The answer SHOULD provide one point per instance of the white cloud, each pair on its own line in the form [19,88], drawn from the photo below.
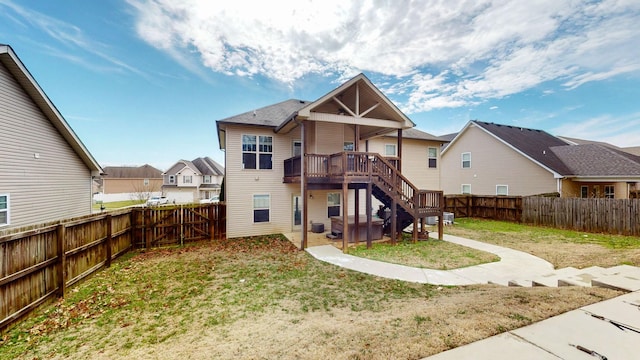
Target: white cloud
[621,131]
[438,54]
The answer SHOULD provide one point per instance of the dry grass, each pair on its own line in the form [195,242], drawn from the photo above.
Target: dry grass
[260,298]
[560,247]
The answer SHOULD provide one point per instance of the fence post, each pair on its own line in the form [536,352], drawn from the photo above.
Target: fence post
[62,261]
[212,227]
[109,241]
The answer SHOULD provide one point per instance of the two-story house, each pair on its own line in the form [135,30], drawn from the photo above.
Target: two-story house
[46,173]
[191,181]
[298,163]
[493,159]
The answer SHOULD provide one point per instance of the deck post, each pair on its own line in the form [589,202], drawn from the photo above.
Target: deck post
[440,215]
[356,208]
[399,150]
[303,188]
[394,221]
[369,210]
[345,217]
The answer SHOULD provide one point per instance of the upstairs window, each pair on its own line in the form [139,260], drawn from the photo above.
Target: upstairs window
[172,179]
[432,157]
[257,152]
[502,190]
[4,209]
[466,189]
[187,179]
[466,160]
[206,179]
[146,182]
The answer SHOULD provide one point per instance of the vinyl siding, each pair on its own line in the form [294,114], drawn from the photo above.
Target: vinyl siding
[119,186]
[492,163]
[242,184]
[415,164]
[56,184]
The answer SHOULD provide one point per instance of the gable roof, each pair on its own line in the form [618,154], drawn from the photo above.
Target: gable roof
[576,141]
[201,166]
[634,150]
[208,166]
[131,172]
[531,143]
[270,116]
[597,160]
[362,100]
[15,66]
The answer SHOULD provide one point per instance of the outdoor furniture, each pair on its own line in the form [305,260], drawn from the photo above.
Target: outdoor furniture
[376,227]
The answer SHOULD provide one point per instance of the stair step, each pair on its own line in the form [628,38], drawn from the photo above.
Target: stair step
[583,278]
[617,282]
[551,279]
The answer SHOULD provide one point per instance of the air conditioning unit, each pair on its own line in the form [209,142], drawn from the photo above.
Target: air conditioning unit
[447,219]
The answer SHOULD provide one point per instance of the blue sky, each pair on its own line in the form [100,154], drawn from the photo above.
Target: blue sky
[143,81]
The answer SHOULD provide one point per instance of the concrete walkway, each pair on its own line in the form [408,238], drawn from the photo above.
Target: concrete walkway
[512,264]
[606,330]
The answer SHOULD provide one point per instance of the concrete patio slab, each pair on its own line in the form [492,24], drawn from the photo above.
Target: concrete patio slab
[500,347]
[553,338]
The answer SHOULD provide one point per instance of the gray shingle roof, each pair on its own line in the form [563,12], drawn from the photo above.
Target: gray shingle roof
[131,172]
[208,166]
[597,160]
[414,133]
[534,143]
[271,116]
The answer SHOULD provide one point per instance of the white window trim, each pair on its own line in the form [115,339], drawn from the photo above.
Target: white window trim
[339,198]
[293,147]
[257,152]
[146,182]
[7,210]
[253,208]
[462,160]
[205,178]
[184,179]
[462,189]
[432,157]
[172,179]
[500,185]
[395,150]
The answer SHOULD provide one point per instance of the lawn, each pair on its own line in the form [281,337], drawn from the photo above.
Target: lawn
[261,298]
[560,247]
[429,254]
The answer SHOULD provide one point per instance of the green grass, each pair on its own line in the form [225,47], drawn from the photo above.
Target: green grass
[490,230]
[431,254]
[150,297]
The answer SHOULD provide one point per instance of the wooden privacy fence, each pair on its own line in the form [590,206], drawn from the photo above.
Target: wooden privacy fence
[613,216]
[40,264]
[508,208]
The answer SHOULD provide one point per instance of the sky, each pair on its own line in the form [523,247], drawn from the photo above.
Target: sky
[144,81]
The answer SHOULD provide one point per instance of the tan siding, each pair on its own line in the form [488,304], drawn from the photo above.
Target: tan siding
[492,163]
[242,184]
[55,185]
[119,186]
[329,138]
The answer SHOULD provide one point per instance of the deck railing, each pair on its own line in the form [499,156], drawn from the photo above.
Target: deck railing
[376,168]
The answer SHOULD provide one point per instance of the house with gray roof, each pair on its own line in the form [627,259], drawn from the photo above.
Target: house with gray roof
[122,183]
[321,165]
[46,172]
[494,159]
[191,181]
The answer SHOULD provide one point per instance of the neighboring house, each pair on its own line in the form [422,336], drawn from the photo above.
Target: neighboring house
[46,173]
[493,159]
[122,183]
[192,181]
[420,155]
[297,164]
